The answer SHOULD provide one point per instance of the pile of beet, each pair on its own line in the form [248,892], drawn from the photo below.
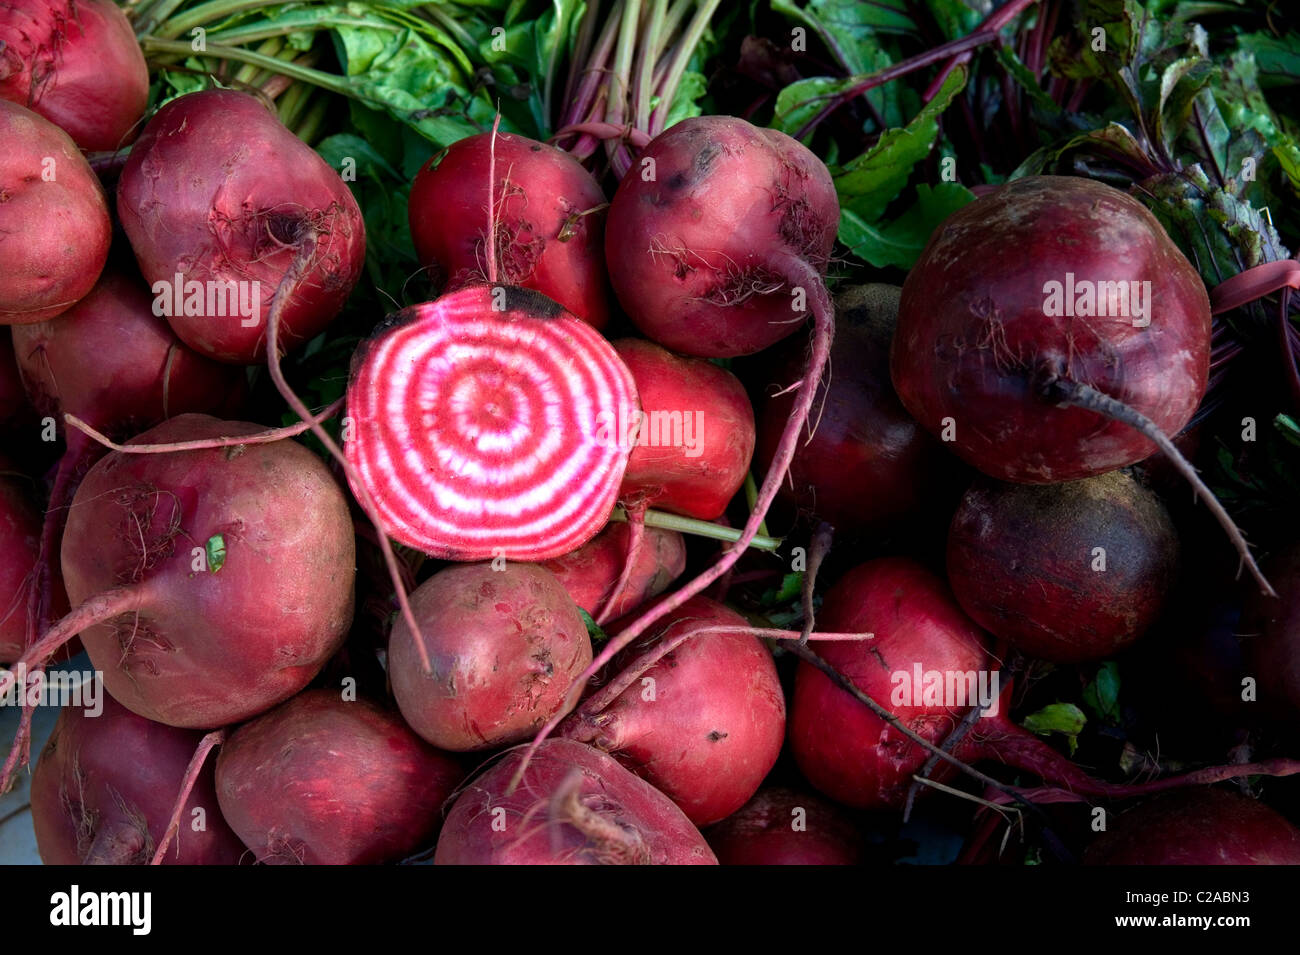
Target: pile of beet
[631,544]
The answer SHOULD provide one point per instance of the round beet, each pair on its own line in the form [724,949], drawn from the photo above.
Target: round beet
[77,63]
[573,806]
[220,202]
[182,641]
[699,716]
[53,219]
[549,216]
[1065,572]
[590,573]
[701,231]
[323,781]
[696,434]
[1201,826]
[782,826]
[105,786]
[868,465]
[985,339]
[504,646]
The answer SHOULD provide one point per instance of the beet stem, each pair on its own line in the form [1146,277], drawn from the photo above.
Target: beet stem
[491,238]
[690,525]
[949,744]
[95,610]
[1068,392]
[206,745]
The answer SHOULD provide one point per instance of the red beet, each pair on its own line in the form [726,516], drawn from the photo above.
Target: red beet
[702,230]
[707,727]
[483,431]
[53,217]
[976,351]
[208,639]
[590,573]
[323,781]
[782,826]
[104,788]
[549,220]
[77,63]
[218,192]
[575,806]
[504,646]
[1202,826]
[1023,561]
[696,436]
[868,465]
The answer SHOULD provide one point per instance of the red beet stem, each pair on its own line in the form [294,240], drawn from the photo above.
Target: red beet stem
[1245,287]
[613,843]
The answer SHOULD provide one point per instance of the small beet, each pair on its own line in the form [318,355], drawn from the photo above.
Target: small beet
[549,220]
[504,646]
[77,63]
[868,465]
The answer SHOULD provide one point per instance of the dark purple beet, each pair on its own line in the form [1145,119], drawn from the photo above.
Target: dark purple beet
[1023,562]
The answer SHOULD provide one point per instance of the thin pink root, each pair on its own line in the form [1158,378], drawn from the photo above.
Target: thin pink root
[261,437]
[206,745]
[1254,283]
